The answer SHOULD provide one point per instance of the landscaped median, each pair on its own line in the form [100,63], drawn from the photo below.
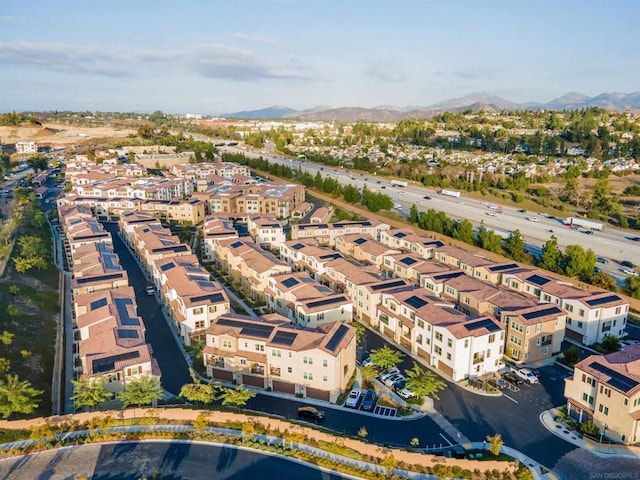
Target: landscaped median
[342,454]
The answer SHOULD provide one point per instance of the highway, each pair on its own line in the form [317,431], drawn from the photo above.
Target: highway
[611,243]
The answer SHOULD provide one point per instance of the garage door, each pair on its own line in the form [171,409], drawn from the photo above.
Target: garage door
[424,354]
[222,374]
[318,394]
[443,367]
[284,387]
[573,335]
[387,331]
[253,380]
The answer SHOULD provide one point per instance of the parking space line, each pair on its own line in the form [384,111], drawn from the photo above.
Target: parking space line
[512,399]
[446,440]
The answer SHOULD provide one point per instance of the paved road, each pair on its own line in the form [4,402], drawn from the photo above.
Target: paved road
[175,461]
[174,368]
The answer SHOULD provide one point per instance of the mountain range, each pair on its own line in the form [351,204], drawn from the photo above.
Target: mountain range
[478,101]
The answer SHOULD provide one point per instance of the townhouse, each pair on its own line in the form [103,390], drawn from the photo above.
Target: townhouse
[96,268]
[248,266]
[367,296]
[215,228]
[306,255]
[363,248]
[590,316]
[153,242]
[410,266]
[458,345]
[81,231]
[342,274]
[465,260]
[271,353]
[606,390]
[326,233]
[407,240]
[306,302]
[267,232]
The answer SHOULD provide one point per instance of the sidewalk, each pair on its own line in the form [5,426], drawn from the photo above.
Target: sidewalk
[561,430]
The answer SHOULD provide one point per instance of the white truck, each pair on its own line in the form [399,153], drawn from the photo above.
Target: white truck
[398,183]
[583,222]
[451,193]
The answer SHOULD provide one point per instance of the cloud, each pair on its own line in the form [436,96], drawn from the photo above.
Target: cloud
[63,58]
[386,71]
[216,61]
[256,38]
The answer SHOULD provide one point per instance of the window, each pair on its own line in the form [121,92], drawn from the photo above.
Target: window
[307,360]
[289,370]
[492,338]
[307,375]
[324,378]
[243,361]
[276,353]
[439,336]
[581,312]
[198,311]
[466,343]
[227,344]
[325,363]
[438,350]
[199,324]
[626,402]
[420,323]
[585,397]
[259,348]
[448,356]
[449,343]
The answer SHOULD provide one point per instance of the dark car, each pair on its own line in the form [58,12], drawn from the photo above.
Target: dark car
[310,413]
[369,399]
[602,260]
[427,197]
[513,378]
[627,264]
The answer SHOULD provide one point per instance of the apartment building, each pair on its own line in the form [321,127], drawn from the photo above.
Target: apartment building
[341,274]
[458,345]
[308,256]
[410,266]
[326,233]
[176,210]
[367,296]
[80,231]
[96,268]
[363,248]
[271,353]
[26,148]
[465,260]
[606,390]
[306,302]
[130,220]
[202,170]
[153,242]
[407,240]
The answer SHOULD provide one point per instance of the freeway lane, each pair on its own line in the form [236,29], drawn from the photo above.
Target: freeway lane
[611,243]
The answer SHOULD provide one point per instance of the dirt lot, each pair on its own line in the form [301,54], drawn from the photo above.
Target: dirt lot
[51,134]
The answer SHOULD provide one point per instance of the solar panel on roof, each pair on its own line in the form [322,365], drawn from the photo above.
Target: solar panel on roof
[97,304]
[499,268]
[84,280]
[167,266]
[400,235]
[298,246]
[541,313]
[109,262]
[359,241]
[326,301]
[123,312]
[408,260]
[602,300]
[127,333]
[415,302]
[258,331]
[213,298]
[337,337]
[236,244]
[382,286]
[290,282]
[101,365]
[486,323]
[205,284]
[447,276]
[284,338]
[617,380]
[538,280]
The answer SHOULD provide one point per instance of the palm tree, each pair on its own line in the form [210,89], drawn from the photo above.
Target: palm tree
[424,382]
[17,396]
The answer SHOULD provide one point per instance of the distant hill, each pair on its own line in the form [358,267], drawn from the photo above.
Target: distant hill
[477,101]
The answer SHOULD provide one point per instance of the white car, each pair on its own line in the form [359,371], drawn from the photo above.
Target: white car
[388,373]
[405,393]
[352,399]
[391,379]
[527,375]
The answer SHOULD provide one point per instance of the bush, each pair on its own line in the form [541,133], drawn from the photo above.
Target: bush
[589,428]
[571,355]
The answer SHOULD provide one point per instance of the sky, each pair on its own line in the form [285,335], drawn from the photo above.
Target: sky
[221,56]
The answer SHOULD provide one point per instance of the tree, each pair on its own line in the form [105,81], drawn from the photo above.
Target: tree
[201,422]
[495,443]
[611,343]
[197,391]
[424,383]
[463,231]
[488,239]
[575,261]
[17,396]
[603,280]
[389,463]
[413,214]
[367,373]
[5,366]
[12,311]
[514,245]
[386,357]
[88,392]
[236,397]
[631,286]
[141,391]
[7,339]
[551,255]
[363,432]
[571,355]
[37,162]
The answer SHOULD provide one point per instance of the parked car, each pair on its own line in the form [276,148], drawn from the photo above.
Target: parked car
[352,399]
[513,378]
[310,413]
[388,373]
[369,399]
[399,384]
[527,375]
[498,383]
[390,380]
[406,393]
[150,289]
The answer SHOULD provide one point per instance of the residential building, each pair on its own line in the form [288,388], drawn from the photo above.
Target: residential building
[267,232]
[326,233]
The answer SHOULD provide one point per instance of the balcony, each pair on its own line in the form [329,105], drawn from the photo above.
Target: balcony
[217,362]
[257,369]
[478,358]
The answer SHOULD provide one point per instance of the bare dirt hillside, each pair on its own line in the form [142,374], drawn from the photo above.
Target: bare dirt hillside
[60,134]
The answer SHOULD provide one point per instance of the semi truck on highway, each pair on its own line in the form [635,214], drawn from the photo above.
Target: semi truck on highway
[583,222]
[451,193]
[398,183]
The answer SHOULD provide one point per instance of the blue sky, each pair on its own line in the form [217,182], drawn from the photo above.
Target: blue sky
[217,57]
